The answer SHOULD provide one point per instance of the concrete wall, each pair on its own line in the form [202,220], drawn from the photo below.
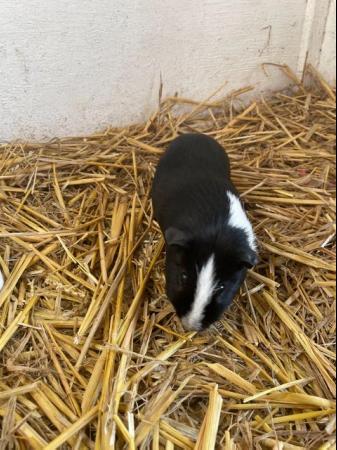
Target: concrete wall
[72,67]
[327,64]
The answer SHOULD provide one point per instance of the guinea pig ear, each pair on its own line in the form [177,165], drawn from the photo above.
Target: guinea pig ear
[249,259]
[174,236]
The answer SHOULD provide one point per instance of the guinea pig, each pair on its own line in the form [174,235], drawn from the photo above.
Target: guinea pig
[210,242]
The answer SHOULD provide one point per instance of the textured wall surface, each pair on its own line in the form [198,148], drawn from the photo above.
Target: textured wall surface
[69,68]
[328,56]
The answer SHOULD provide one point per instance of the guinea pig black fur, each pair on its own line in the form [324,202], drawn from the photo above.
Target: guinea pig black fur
[210,242]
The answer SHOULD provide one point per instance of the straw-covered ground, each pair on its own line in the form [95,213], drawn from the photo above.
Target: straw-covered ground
[91,352]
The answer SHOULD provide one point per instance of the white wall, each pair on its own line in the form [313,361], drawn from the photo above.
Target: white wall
[72,67]
[327,63]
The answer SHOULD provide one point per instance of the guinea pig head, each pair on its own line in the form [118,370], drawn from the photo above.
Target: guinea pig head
[203,277]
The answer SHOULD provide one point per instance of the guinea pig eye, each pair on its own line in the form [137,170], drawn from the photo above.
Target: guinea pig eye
[184,277]
[220,288]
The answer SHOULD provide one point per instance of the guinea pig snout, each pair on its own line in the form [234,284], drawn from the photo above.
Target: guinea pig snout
[190,325]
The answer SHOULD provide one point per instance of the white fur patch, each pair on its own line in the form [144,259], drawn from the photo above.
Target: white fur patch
[2,282]
[203,295]
[239,219]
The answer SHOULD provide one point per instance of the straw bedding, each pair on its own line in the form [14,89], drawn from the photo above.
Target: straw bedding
[91,353]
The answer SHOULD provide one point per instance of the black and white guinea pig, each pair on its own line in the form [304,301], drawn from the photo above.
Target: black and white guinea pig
[210,242]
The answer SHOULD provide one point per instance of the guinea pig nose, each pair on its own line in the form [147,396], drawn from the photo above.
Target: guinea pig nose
[190,326]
